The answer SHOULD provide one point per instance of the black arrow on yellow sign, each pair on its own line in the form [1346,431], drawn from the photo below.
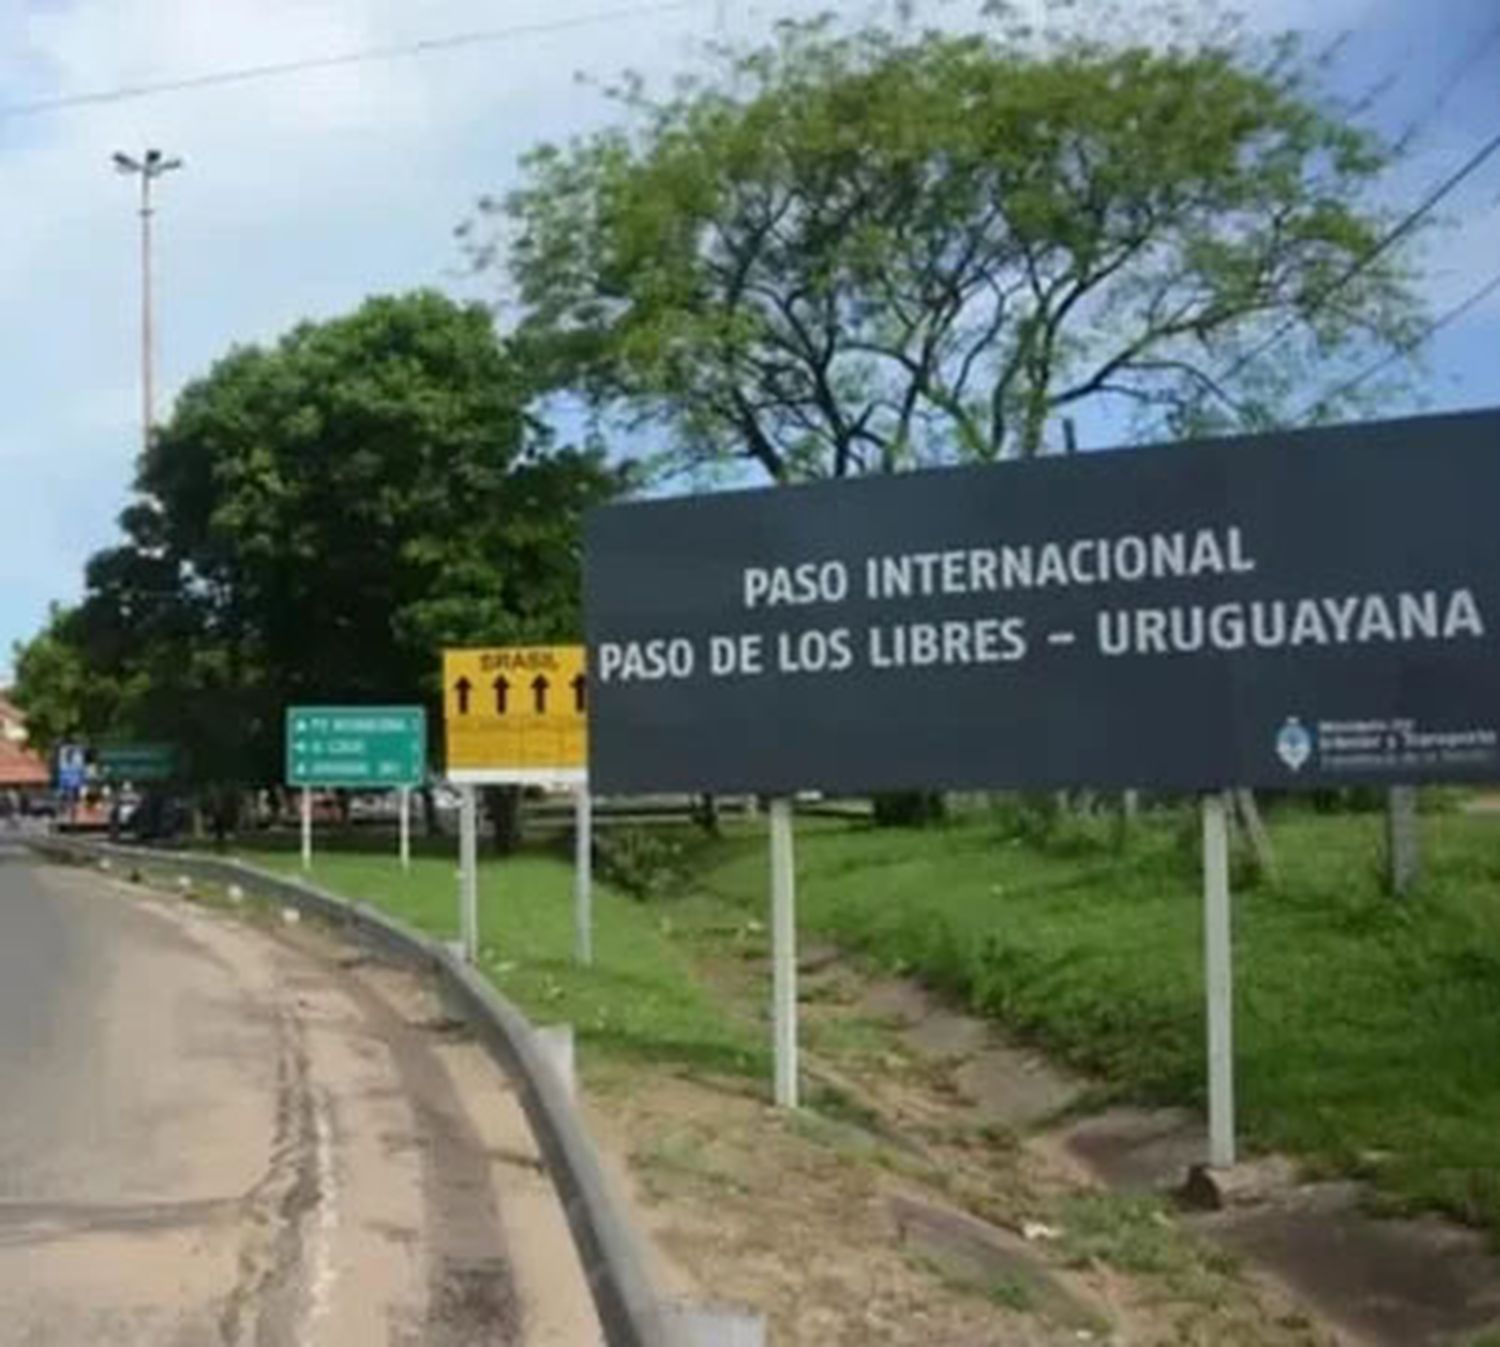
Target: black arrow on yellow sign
[502,694]
[463,687]
[539,686]
[580,693]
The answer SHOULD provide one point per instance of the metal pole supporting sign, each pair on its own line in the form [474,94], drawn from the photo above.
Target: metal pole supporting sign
[784,952]
[468,870]
[1219,970]
[307,811]
[583,873]
[405,794]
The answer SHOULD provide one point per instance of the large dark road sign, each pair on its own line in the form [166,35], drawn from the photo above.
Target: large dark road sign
[1305,609]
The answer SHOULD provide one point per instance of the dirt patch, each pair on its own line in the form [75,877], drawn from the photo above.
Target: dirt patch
[941,1188]
[1383,1282]
[1007,1085]
[1390,1283]
[784,1215]
[1136,1150]
[1352,1276]
[843,1236]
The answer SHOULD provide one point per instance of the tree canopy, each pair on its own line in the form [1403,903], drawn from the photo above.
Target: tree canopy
[62,696]
[315,521]
[856,251]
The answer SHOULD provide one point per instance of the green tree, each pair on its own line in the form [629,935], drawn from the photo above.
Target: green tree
[62,696]
[319,517]
[866,251]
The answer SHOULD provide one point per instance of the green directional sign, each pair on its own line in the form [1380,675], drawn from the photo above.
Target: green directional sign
[357,747]
[136,763]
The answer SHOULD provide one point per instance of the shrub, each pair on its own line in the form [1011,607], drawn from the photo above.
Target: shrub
[909,809]
[641,863]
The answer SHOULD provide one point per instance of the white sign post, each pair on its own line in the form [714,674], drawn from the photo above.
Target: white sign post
[307,811]
[583,873]
[1219,969]
[405,795]
[468,869]
[784,952]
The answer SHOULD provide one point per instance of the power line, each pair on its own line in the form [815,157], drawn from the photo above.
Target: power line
[1398,231]
[1465,65]
[395,51]
[1472,301]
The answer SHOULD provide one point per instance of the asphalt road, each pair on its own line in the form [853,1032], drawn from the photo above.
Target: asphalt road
[212,1133]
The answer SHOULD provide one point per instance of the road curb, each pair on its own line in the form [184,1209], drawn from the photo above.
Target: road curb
[630,1311]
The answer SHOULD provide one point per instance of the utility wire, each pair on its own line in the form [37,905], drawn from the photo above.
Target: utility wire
[395,51]
[1398,231]
[1465,66]
[1406,348]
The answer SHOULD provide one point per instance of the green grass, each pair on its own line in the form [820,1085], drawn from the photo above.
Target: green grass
[1138,1236]
[1134,1234]
[1011,1294]
[1366,1029]
[640,999]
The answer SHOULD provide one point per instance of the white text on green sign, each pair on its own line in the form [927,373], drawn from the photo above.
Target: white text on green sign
[356,747]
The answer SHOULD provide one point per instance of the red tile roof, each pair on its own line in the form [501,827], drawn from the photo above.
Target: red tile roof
[19,766]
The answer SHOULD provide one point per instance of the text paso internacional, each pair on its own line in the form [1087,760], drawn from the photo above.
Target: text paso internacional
[1308,609]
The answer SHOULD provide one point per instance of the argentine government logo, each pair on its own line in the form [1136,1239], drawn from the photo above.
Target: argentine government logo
[1294,744]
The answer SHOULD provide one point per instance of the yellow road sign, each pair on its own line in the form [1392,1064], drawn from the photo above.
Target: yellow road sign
[516,714]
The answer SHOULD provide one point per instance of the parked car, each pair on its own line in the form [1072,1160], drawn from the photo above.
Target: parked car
[157,817]
[382,805]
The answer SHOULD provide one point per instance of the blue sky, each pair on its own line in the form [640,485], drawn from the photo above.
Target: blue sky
[304,194]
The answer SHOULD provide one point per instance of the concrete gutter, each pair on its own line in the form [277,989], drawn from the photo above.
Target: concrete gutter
[629,1308]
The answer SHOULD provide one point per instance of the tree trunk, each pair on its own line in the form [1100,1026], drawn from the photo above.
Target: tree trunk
[1125,819]
[503,805]
[1403,842]
[706,814]
[909,808]
[1255,830]
[222,818]
[430,825]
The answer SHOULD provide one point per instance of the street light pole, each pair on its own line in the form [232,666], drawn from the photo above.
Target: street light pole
[150,166]
[148,374]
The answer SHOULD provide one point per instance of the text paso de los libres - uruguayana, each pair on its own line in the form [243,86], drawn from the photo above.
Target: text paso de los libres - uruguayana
[1179,623]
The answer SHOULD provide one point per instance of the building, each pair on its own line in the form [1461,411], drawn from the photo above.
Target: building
[21,769]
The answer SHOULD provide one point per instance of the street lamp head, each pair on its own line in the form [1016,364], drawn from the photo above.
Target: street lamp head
[152,164]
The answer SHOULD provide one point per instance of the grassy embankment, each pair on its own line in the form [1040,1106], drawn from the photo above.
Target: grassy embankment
[1367,1029]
